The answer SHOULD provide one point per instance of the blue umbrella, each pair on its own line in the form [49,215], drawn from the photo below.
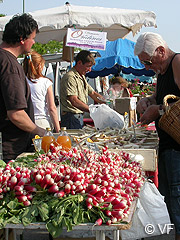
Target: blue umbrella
[118,58]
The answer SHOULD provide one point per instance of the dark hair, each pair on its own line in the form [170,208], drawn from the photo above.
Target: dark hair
[19,28]
[85,56]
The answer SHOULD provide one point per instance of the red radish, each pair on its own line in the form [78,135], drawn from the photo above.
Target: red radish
[92,192]
[98,222]
[22,198]
[67,188]
[115,201]
[22,181]
[107,212]
[47,178]
[100,193]
[29,196]
[89,206]
[95,203]
[51,181]
[19,193]
[120,205]
[53,189]
[114,220]
[54,174]
[110,199]
[97,180]
[38,178]
[109,222]
[19,188]
[30,188]
[60,194]
[26,203]
[42,172]
[13,180]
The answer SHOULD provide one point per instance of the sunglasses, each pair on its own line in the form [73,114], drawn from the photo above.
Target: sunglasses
[148,62]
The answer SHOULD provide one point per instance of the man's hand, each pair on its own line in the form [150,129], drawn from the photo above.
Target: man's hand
[151,113]
[97,97]
[78,103]
[142,105]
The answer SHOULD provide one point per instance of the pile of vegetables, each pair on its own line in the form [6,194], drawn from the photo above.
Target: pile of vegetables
[63,189]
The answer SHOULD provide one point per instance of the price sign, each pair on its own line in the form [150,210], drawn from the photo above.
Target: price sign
[92,146]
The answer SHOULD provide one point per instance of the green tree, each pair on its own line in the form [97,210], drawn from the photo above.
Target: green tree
[50,47]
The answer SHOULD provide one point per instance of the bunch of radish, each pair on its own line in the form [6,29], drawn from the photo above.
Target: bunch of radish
[110,181]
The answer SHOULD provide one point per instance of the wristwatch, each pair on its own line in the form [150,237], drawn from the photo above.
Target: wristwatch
[161,110]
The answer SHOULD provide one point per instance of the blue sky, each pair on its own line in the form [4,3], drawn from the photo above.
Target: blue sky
[167,13]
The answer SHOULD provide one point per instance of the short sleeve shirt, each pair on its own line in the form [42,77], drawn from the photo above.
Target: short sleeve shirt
[14,95]
[73,84]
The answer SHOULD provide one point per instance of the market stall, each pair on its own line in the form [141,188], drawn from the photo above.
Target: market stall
[106,193]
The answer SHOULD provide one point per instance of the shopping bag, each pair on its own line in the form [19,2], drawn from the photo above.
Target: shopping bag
[151,217]
[104,116]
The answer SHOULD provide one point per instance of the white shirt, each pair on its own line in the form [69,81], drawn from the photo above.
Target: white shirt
[38,96]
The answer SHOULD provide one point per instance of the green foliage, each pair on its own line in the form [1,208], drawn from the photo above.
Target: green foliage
[50,47]
[54,212]
[2,15]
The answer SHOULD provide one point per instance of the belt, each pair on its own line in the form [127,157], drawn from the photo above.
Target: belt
[64,113]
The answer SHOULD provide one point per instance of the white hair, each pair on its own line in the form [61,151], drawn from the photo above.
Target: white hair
[148,42]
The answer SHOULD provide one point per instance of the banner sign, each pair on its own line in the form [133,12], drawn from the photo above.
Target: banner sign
[86,39]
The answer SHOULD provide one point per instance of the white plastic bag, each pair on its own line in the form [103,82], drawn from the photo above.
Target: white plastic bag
[151,217]
[104,116]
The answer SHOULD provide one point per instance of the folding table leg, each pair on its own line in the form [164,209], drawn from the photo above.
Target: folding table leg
[14,234]
[116,235]
[100,235]
[6,233]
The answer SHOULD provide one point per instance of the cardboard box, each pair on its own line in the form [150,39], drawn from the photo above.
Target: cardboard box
[126,104]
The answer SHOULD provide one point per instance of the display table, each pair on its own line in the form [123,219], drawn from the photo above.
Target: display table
[99,230]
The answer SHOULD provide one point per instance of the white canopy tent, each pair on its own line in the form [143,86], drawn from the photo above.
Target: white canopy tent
[53,22]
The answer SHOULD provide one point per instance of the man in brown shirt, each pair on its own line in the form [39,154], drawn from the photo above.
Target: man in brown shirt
[17,115]
[75,91]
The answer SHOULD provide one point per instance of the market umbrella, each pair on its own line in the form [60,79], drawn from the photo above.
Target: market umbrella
[118,58]
[53,22]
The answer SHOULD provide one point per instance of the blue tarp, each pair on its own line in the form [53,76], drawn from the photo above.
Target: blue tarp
[118,58]
[143,78]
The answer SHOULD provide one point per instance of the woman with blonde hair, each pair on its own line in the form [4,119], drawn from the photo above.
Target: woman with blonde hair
[45,112]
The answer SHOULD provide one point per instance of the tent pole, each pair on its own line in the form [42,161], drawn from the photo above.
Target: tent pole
[70,49]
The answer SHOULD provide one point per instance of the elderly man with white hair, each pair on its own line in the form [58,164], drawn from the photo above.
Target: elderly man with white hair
[154,53]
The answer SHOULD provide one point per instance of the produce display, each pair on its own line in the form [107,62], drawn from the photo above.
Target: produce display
[119,138]
[67,188]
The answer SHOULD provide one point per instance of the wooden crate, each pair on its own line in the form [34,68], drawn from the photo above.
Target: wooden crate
[123,105]
[150,157]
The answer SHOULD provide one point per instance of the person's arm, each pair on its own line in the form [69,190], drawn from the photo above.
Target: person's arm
[21,119]
[52,109]
[144,103]
[97,97]
[78,103]
[176,69]
[149,108]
